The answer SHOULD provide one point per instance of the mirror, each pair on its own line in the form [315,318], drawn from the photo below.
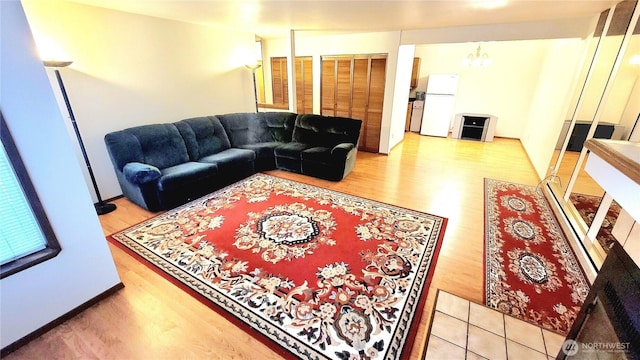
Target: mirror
[603,106]
[272,78]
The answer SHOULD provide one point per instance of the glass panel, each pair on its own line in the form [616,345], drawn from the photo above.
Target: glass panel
[602,108]
[613,105]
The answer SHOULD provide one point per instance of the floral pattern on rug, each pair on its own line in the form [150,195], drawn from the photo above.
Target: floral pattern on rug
[322,274]
[531,271]
[284,232]
[587,205]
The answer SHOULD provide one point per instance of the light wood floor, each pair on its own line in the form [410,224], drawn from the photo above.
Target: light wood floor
[584,183]
[152,319]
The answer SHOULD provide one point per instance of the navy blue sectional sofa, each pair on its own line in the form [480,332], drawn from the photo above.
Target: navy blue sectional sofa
[161,166]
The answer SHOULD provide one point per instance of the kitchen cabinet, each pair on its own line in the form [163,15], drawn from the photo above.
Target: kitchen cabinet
[415,73]
[353,86]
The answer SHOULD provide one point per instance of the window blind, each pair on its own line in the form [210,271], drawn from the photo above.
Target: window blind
[20,234]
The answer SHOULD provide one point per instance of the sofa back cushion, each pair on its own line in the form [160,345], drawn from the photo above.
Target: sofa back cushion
[253,128]
[240,127]
[326,131]
[159,145]
[203,136]
[280,125]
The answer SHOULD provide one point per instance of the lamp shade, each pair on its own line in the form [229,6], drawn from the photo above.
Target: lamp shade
[253,67]
[56,63]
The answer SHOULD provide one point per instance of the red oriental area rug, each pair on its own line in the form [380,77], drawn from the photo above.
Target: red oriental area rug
[531,270]
[317,273]
[587,205]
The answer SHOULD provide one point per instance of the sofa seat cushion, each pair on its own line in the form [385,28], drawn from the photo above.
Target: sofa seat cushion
[230,158]
[317,154]
[264,149]
[291,150]
[185,174]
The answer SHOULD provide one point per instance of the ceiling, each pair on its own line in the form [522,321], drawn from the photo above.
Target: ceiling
[270,18]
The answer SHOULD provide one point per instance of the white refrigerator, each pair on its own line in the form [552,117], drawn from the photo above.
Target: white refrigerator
[438,104]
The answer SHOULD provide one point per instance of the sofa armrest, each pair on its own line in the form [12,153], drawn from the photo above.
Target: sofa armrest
[139,173]
[341,150]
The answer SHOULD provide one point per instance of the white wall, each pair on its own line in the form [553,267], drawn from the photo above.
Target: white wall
[363,43]
[632,110]
[504,89]
[620,87]
[84,268]
[274,47]
[522,76]
[550,101]
[622,105]
[132,70]
[528,87]
[404,71]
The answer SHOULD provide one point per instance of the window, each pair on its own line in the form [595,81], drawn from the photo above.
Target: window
[26,237]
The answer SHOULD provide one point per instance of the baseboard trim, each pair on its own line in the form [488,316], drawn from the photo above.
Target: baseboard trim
[112,198]
[44,329]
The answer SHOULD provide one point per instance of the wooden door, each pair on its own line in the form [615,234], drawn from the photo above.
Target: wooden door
[304,85]
[336,85]
[360,91]
[370,141]
[415,72]
[343,87]
[328,87]
[353,86]
[279,81]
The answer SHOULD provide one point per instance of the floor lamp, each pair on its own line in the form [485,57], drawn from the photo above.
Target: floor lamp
[253,69]
[101,206]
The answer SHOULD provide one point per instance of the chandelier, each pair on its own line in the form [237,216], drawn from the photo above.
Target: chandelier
[477,59]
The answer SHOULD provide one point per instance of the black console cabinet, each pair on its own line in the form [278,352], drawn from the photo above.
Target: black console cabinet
[579,134]
[473,127]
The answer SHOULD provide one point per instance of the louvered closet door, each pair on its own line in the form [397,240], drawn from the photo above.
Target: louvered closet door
[279,81]
[328,87]
[370,140]
[343,88]
[353,86]
[304,85]
[360,91]
[308,85]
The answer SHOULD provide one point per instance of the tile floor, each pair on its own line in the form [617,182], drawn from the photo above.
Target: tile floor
[461,329]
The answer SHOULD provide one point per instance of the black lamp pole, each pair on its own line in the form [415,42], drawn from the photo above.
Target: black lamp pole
[101,206]
[253,69]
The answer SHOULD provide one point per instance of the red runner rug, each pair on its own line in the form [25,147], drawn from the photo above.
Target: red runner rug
[310,271]
[587,205]
[531,271]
